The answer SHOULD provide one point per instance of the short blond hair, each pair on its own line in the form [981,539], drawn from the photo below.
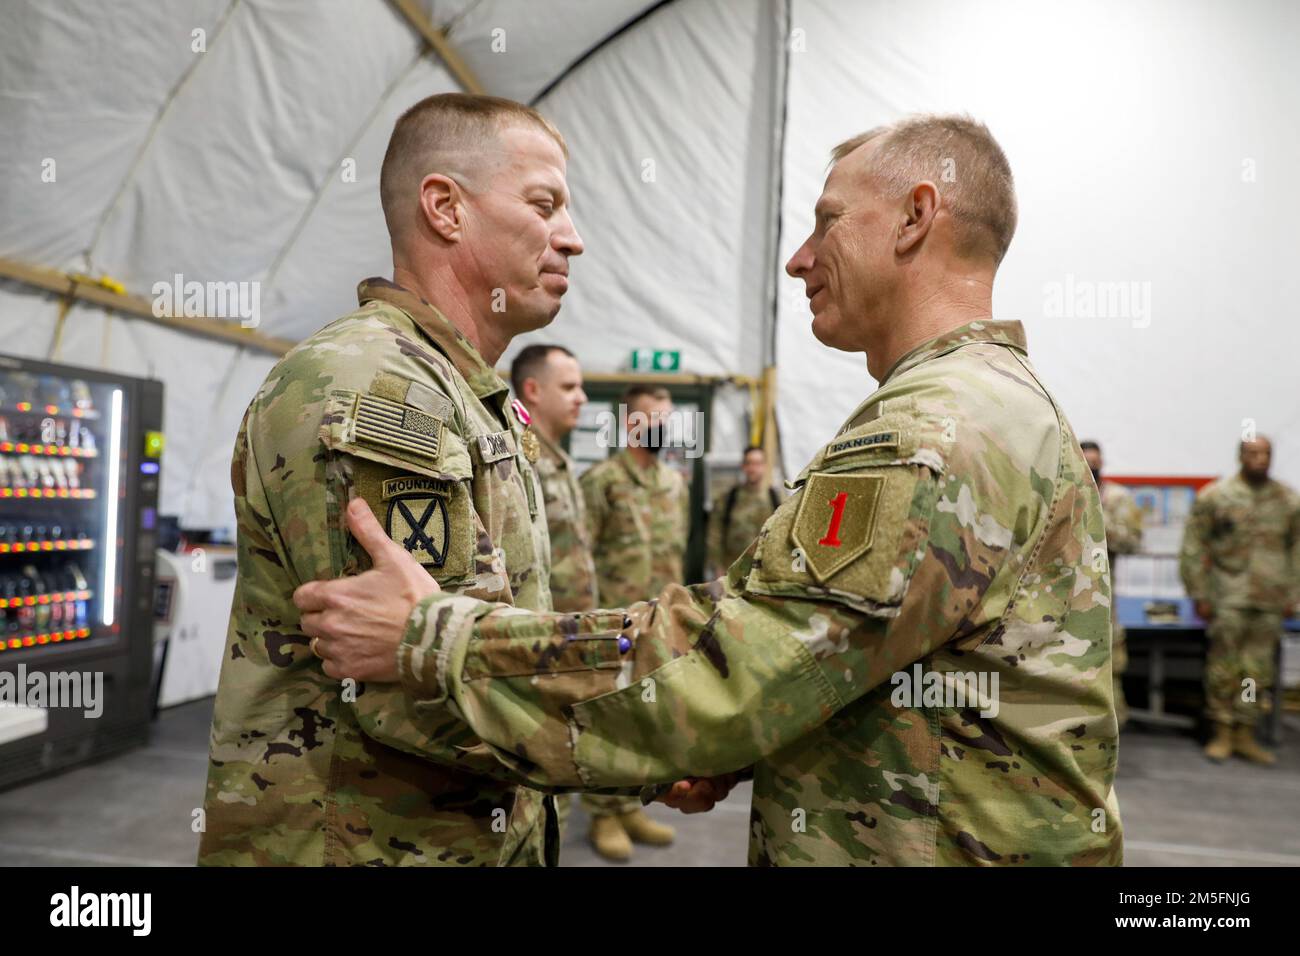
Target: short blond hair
[446,133]
[961,157]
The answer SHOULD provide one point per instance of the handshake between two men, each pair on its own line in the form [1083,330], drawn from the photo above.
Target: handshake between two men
[357,624]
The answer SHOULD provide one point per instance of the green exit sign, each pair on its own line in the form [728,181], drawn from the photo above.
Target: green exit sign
[656,360]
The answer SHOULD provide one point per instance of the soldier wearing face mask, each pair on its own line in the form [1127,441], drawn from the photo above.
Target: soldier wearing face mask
[639,519]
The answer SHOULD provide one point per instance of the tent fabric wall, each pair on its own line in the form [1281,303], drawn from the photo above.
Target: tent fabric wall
[669,134]
[1133,129]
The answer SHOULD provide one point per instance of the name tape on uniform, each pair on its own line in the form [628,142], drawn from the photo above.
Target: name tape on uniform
[496,446]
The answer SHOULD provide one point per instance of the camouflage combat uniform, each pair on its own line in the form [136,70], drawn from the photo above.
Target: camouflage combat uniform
[731,530]
[950,528]
[573,572]
[639,520]
[1123,536]
[392,404]
[1241,554]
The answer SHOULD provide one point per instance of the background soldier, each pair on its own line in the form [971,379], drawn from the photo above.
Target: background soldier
[549,380]
[739,512]
[950,530]
[1123,536]
[396,405]
[638,512]
[1240,564]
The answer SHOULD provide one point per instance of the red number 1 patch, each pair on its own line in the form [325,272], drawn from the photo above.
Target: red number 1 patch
[832,536]
[831,544]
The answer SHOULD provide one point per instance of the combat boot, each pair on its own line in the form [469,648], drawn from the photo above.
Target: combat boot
[1219,748]
[610,839]
[1245,745]
[642,829]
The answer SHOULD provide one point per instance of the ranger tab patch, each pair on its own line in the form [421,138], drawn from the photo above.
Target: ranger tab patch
[877,441]
[836,521]
[400,427]
[418,522]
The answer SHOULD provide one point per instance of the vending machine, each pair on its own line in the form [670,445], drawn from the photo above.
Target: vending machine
[80,453]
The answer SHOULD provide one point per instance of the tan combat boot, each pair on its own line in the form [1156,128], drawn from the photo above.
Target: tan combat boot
[1219,748]
[610,839]
[642,829]
[1245,745]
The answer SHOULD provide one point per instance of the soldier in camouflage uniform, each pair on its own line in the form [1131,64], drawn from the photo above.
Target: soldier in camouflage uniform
[396,406]
[638,513]
[1123,536]
[738,513]
[549,380]
[948,539]
[1240,563]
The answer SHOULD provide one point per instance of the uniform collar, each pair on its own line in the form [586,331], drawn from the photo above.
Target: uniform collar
[1011,334]
[482,379]
[552,450]
[646,477]
[1240,479]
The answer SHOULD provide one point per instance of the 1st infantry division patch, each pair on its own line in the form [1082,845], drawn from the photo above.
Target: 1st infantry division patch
[419,524]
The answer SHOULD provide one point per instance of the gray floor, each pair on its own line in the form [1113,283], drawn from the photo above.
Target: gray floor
[136,809]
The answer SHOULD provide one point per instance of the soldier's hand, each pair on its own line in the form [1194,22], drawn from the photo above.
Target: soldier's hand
[699,794]
[356,623]
[1204,610]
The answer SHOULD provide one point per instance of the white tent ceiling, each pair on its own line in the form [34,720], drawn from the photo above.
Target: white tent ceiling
[1128,125]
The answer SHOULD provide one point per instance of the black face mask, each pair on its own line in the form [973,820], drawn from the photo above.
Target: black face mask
[1096,476]
[654,438]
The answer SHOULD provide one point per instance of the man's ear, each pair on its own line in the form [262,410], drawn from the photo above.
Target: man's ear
[922,205]
[441,206]
[531,391]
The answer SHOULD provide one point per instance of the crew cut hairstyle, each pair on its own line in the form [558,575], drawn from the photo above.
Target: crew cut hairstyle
[638,389]
[446,133]
[963,160]
[529,362]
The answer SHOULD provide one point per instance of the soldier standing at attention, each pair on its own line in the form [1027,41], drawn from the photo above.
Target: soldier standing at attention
[396,407]
[638,513]
[549,380]
[1240,563]
[739,512]
[949,538]
[1123,536]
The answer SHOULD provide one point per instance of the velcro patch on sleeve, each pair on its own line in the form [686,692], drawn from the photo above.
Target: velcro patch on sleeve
[392,425]
[412,484]
[886,440]
[496,446]
[836,521]
[419,523]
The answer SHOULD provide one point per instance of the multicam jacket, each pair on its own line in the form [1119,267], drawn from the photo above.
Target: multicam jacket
[914,655]
[573,573]
[639,520]
[1123,519]
[392,404]
[1241,546]
[731,529]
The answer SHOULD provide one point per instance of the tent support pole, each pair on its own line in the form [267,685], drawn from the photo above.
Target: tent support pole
[84,289]
[767,435]
[438,42]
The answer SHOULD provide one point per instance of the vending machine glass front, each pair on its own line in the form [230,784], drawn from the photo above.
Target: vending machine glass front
[60,511]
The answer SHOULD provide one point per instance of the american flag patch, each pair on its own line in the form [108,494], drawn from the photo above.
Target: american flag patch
[382,422]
